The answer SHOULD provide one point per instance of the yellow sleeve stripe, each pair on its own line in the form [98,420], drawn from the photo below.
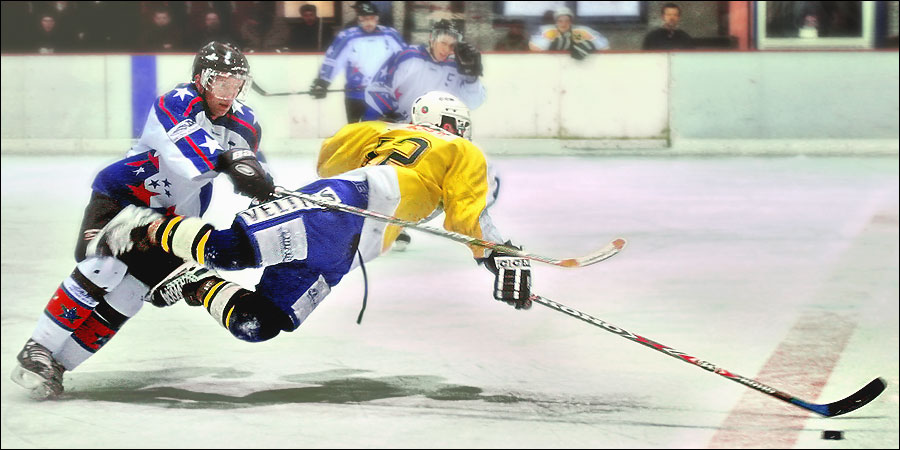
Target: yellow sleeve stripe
[165,238]
[201,248]
[228,317]
[212,292]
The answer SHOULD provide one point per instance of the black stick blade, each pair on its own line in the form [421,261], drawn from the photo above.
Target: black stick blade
[861,398]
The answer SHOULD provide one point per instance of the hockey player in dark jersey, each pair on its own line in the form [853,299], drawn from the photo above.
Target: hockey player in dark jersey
[193,133]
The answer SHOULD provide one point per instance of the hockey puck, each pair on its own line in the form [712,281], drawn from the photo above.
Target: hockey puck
[833,435]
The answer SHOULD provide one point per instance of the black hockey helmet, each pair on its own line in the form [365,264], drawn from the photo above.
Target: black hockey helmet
[221,60]
[221,57]
[365,9]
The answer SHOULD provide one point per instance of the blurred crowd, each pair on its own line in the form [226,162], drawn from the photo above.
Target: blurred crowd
[161,26]
[157,26]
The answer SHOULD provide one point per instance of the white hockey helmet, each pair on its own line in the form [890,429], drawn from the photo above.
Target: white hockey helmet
[562,11]
[443,110]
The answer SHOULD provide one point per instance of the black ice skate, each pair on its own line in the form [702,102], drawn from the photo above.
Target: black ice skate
[38,372]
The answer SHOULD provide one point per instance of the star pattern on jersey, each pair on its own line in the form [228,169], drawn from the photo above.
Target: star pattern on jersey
[154,183]
[139,170]
[152,158]
[70,314]
[211,144]
[237,106]
[141,193]
[168,193]
[102,339]
[166,182]
[181,92]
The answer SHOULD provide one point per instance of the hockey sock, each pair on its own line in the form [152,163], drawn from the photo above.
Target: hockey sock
[184,237]
[107,318]
[75,299]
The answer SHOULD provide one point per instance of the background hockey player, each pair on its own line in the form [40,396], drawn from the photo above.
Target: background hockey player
[359,52]
[445,64]
[578,40]
[409,170]
[193,133]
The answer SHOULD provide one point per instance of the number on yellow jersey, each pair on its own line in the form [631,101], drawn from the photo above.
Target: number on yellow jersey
[404,152]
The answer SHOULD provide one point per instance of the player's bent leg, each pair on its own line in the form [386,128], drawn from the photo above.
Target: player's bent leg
[247,315]
[103,324]
[72,305]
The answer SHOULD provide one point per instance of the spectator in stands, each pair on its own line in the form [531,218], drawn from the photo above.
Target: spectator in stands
[161,35]
[578,40]
[49,38]
[515,39]
[263,30]
[311,34]
[668,37]
[211,30]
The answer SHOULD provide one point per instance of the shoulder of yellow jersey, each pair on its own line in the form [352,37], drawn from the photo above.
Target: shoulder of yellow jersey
[584,33]
[550,33]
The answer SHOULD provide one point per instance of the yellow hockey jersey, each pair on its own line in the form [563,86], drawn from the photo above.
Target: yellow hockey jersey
[434,168]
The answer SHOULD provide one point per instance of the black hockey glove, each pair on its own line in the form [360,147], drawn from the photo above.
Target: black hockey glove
[468,59]
[319,88]
[247,174]
[582,49]
[512,277]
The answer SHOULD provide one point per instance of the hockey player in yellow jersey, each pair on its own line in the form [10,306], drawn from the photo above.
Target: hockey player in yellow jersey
[437,165]
[407,171]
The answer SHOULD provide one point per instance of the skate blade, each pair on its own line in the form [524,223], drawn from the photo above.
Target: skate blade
[33,382]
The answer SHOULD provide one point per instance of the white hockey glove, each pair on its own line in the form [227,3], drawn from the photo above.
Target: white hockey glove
[125,230]
[512,277]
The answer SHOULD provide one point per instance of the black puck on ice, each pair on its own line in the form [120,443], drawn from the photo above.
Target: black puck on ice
[833,435]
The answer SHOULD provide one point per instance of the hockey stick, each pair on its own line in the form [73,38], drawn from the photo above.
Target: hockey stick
[606,252]
[265,93]
[843,406]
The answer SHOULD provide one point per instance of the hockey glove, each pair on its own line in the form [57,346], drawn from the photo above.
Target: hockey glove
[247,174]
[512,277]
[468,59]
[582,49]
[127,230]
[319,88]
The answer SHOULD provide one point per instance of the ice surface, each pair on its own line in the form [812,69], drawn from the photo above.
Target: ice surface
[738,261]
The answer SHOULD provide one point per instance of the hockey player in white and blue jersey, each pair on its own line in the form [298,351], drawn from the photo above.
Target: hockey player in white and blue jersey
[358,52]
[407,171]
[193,133]
[445,64]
